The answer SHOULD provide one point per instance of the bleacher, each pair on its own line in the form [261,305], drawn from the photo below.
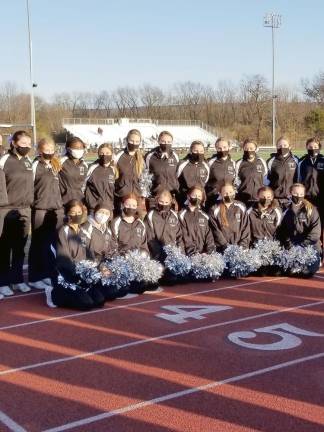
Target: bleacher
[95,131]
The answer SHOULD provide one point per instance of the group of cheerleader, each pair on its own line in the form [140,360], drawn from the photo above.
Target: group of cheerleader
[94,213]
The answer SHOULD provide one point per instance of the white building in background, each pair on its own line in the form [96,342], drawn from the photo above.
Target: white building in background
[97,131]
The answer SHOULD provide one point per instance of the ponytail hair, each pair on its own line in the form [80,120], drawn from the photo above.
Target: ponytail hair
[223,208]
[55,162]
[139,160]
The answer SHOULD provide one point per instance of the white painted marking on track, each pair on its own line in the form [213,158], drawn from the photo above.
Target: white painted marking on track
[285,331]
[10,423]
[182,393]
[183,312]
[152,339]
[319,276]
[110,309]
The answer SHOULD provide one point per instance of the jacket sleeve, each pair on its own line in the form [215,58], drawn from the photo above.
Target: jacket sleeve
[3,189]
[314,230]
[245,232]
[153,244]
[64,262]
[189,247]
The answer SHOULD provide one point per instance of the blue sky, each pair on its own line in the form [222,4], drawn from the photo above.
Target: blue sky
[90,45]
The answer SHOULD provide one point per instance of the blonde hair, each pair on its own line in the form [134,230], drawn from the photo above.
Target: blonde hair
[55,162]
[223,208]
[139,160]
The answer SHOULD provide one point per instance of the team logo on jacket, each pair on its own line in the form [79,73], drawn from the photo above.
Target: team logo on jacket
[302,218]
[82,171]
[238,217]
[230,169]
[320,165]
[292,165]
[203,173]
[171,161]
[201,221]
[111,178]
[28,165]
[139,231]
[259,168]
[172,222]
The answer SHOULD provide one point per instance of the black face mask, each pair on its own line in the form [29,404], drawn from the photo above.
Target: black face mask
[132,147]
[265,202]
[163,207]
[48,156]
[130,211]
[194,201]
[22,151]
[76,219]
[248,154]
[283,151]
[222,153]
[104,159]
[312,152]
[165,148]
[296,199]
[196,157]
[228,199]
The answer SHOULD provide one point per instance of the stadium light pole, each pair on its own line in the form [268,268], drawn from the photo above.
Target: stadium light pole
[274,22]
[32,84]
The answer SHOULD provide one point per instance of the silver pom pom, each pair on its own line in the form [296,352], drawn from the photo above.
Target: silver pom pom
[145,269]
[66,285]
[300,260]
[204,266]
[121,275]
[241,262]
[145,183]
[176,262]
[269,251]
[88,272]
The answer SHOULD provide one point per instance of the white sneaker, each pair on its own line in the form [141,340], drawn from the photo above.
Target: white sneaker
[157,290]
[1,296]
[41,285]
[128,296]
[47,281]
[22,287]
[48,293]
[6,291]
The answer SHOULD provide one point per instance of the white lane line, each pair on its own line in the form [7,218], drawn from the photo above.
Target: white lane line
[179,394]
[152,339]
[10,423]
[128,305]
[319,276]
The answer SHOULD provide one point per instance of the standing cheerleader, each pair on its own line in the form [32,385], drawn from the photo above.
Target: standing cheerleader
[74,171]
[162,162]
[194,170]
[282,172]
[68,290]
[197,236]
[265,216]
[251,172]
[229,221]
[222,170]
[100,182]
[163,226]
[130,164]
[47,214]
[16,215]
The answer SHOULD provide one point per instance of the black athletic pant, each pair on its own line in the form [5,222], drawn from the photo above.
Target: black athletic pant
[41,260]
[79,299]
[16,227]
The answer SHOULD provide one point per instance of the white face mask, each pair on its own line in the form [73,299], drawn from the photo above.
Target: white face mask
[77,154]
[101,218]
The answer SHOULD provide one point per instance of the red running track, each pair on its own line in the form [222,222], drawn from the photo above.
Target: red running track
[127,368]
